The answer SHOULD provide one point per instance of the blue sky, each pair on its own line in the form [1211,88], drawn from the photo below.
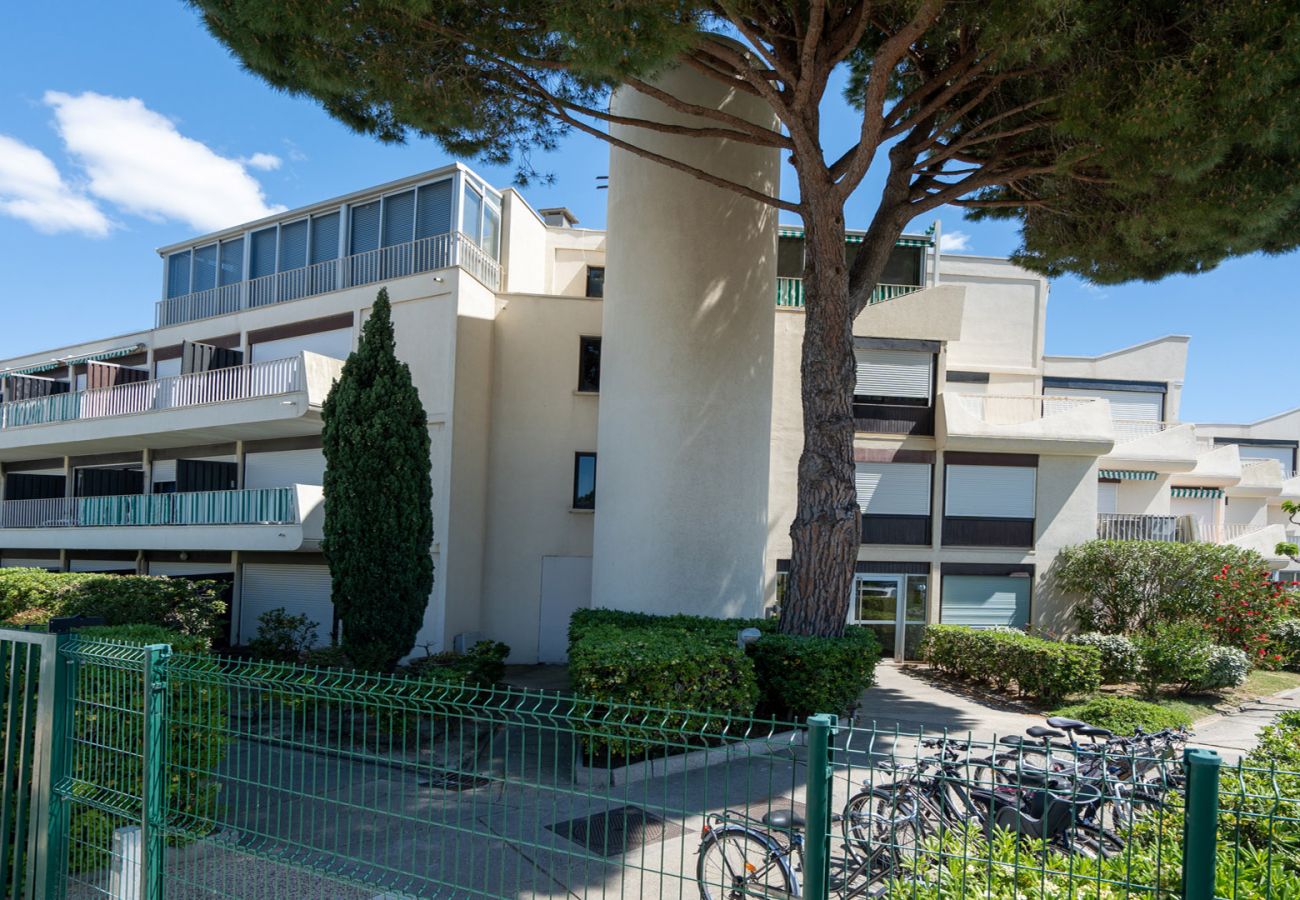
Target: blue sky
[124,127]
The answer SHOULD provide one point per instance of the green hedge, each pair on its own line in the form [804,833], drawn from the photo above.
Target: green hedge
[1124,715]
[1048,670]
[584,620]
[109,710]
[800,676]
[29,596]
[667,668]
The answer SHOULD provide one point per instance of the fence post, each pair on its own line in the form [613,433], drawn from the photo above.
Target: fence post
[1201,823]
[817,849]
[63,674]
[154,765]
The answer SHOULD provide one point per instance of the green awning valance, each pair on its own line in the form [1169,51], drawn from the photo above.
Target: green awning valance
[1201,493]
[1125,475]
[907,240]
[63,363]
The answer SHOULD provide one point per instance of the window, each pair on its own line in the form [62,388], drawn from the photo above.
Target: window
[595,281]
[990,492]
[433,210]
[365,228]
[293,246]
[983,601]
[894,377]
[589,364]
[232,261]
[472,215]
[584,481]
[178,274]
[399,219]
[893,489]
[205,268]
[261,261]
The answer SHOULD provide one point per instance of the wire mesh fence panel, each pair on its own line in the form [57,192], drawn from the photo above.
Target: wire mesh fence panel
[1259,831]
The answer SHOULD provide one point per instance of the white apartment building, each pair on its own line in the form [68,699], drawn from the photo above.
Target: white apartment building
[630,443]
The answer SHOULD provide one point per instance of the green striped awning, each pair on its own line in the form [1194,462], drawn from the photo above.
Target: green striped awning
[907,240]
[66,361]
[1126,475]
[1196,493]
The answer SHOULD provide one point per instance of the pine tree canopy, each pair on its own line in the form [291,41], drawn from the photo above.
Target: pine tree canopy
[378,499]
[1131,140]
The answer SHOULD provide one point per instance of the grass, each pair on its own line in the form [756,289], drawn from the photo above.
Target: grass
[1198,706]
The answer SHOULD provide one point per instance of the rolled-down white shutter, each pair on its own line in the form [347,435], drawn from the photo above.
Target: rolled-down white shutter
[984,600]
[1107,497]
[1284,455]
[300,590]
[336,344]
[999,492]
[282,468]
[894,373]
[1125,406]
[164,470]
[894,489]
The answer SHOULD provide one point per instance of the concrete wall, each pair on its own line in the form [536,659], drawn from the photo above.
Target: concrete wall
[539,420]
[1003,318]
[569,252]
[1163,359]
[1066,515]
[686,381]
[523,246]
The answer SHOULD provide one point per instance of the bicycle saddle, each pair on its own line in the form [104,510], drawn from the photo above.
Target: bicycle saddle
[1039,731]
[784,820]
[1067,724]
[1095,731]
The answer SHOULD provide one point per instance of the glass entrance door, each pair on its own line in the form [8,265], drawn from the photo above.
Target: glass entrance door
[893,606]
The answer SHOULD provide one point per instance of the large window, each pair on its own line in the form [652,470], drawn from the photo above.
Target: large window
[589,364]
[989,501]
[894,377]
[584,481]
[983,601]
[895,502]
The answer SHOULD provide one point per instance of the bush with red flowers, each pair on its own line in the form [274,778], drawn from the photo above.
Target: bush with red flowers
[1247,605]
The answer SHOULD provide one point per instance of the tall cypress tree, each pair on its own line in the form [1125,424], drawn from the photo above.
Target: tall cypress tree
[378,498]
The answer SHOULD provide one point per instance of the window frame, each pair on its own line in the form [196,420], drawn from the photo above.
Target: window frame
[575,502]
[600,294]
[584,341]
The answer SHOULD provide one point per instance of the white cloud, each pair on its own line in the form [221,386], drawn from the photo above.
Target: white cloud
[267,162]
[32,189]
[136,159]
[954,242]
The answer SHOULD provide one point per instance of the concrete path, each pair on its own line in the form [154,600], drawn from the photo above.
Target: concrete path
[1233,734]
[907,697]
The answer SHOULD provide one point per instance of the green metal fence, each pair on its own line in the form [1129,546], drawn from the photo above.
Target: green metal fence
[184,775]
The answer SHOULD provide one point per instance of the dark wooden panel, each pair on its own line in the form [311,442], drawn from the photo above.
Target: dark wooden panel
[976,532]
[896,530]
[108,482]
[892,455]
[1002,569]
[205,475]
[30,387]
[874,567]
[957,377]
[191,452]
[1101,384]
[298,329]
[964,458]
[19,486]
[880,419]
[879,343]
[196,357]
[270,445]
[102,375]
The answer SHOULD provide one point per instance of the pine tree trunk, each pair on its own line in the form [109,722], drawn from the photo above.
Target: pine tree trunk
[827,526]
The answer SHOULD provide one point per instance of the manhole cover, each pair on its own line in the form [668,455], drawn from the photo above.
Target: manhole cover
[616,831]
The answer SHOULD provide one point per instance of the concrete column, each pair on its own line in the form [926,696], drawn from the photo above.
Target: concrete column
[686,370]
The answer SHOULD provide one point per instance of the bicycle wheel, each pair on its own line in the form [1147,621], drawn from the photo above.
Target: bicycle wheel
[882,827]
[1093,841]
[736,863]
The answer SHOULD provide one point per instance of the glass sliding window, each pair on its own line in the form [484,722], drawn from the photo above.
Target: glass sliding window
[471,220]
[584,481]
[232,261]
[205,268]
[178,274]
[492,229]
[433,209]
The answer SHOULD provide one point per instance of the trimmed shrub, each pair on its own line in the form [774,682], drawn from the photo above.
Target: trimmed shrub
[1124,715]
[1173,653]
[1048,670]
[483,665]
[1247,603]
[1286,641]
[723,629]
[799,676]
[197,740]
[666,668]
[1130,586]
[331,657]
[282,637]
[1225,667]
[1119,656]
[177,604]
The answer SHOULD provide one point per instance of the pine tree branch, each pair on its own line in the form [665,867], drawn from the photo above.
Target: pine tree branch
[761,135]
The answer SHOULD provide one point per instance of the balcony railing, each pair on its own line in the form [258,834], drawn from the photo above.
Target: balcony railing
[1132,429]
[441,251]
[789,292]
[266,506]
[999,409]
[264,379]
[1231,531]
[1126,527]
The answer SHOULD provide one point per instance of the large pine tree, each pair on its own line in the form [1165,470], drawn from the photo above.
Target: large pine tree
[378,499]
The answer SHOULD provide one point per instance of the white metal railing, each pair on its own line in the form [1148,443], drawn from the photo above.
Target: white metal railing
[264,379]
[1231,531]
[1127,527]
[1132,429]
[442,251]
[265,506]
[1000,409]
[789,292]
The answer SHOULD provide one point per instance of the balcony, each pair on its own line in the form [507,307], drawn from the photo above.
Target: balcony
[1126,527]
[443,251]
[789,292]
[1077,426]
[1216,466]
[1263,478]
[277,398]
[1165,447]
[284,518]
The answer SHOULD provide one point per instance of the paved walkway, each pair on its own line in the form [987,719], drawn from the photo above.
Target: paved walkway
[908,697]
[1232,734]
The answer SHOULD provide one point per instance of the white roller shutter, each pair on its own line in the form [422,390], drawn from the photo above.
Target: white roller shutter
[283,468]
[1125,406]
[1284,455]
[894,373]
[101,565]
[1107,497]
[894,489]
[300,590]
[164,470]
[188,569]
[1000,492]
[50,565]
[336,344]
[166,368]
[985,600]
